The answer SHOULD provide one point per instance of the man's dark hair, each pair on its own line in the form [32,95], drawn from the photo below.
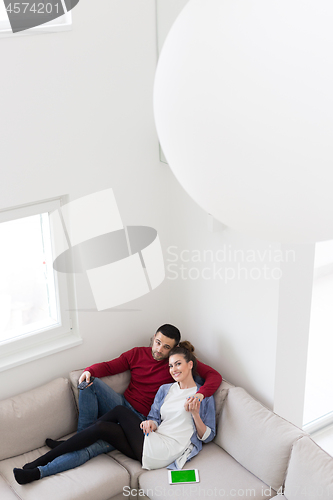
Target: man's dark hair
[170,331]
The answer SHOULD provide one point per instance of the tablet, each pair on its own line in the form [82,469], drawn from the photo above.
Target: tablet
[183,476]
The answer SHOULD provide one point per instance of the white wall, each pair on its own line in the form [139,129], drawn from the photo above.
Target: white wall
[224,304]
[253,326]
[250,318]
[231,316]
[76,117]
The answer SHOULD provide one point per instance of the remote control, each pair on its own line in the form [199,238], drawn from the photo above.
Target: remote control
[85,384]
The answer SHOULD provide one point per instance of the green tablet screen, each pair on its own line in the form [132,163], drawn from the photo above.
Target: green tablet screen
[183,476]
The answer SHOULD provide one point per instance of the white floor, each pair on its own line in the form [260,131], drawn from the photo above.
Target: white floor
[324,438]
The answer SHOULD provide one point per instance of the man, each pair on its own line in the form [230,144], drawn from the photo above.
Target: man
[149,370]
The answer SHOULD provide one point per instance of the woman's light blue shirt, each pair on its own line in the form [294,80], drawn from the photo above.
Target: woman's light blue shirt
[207,414]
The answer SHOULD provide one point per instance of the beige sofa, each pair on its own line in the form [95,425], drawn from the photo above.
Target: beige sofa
[256,454]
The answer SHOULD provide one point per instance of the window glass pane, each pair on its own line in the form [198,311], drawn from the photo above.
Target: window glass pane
[3,14]
[28,298]
[319,377]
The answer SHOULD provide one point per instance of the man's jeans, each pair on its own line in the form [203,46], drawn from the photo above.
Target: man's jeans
[94,402]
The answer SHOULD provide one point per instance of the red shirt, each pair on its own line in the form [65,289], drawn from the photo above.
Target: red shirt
[147,375]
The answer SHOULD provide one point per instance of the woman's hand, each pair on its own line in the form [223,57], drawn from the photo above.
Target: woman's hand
[148,426]
[192,404]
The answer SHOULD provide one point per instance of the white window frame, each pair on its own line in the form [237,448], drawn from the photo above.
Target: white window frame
[52,26]
[34,345]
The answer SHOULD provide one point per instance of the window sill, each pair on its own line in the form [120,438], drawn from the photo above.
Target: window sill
[39,350]
[319,424]
[7,32]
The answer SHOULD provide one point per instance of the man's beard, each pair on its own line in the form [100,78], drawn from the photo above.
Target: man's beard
[157,355]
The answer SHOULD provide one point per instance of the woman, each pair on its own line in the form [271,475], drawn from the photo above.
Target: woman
[173,433]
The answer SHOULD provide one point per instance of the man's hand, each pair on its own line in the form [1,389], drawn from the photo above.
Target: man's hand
[193,405]
[148,426]
[85,376]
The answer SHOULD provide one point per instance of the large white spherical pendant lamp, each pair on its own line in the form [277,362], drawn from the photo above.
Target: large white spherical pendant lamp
[243,105]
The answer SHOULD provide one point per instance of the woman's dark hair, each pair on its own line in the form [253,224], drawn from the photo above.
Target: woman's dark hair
[186,349]
[170,331]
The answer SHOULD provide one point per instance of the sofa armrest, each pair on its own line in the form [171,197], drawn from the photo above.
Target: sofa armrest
[310,472]
[256,437]
[29,418]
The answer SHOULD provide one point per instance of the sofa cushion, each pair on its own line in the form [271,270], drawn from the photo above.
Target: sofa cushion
[132,466]
[31,417]
[220,477]
[118,382]
[98,479]
[6,493]
[256,437]
[219,397]
[310,472]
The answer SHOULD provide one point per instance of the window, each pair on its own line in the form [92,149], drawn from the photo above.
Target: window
[318,407]
[34,318]
[62,23]
[28,299]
